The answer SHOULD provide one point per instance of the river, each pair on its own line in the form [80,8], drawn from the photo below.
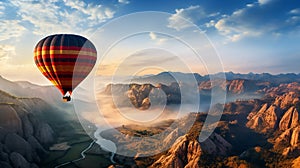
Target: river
[83,156]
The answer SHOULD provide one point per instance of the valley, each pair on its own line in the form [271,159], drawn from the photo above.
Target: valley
[259,127]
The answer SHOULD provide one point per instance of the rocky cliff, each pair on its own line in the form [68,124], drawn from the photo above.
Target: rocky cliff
[235,86]
[183,153]
[279,118]
[141,96]
[24,137]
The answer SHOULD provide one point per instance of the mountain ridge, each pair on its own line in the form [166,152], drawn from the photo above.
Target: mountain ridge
[171,77]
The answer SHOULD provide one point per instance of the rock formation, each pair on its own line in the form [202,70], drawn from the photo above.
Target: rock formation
[23,136]
[186,153]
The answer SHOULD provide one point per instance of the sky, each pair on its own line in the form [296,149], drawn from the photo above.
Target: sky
[248,36]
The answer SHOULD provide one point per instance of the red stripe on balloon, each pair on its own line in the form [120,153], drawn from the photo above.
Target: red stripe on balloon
[75,64]
[65,48]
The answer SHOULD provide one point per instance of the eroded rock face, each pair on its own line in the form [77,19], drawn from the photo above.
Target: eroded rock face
[290,141]
[265,119]
[42,131]
[193,154]
[15,143]
[296,162]
[280,118]
[295,138]
[282,114]
[18,161]
[138,94]
[187,153]
[142,96]
[216,145]
[44,134]
[282,89]
[3,134]
[19,130]
[184,153]
[171,138]
[290,119]
[286,100]
[235,86]
[5,165]
[38,150]
[27,127]
[4,157]
[9,119]
[284,138]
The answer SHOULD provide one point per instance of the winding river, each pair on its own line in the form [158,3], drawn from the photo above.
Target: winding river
[83,156]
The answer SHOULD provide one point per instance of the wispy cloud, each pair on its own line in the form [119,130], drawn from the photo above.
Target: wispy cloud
[97,13]
[22,22]
[263,2]
[61,15]
[123,1]
[254,20]
[295,11]
[152,36]
[6,51]
[182,17]
[10,29]
[2,8]
[234,33]
[150,57]
[158,39]
[211,23]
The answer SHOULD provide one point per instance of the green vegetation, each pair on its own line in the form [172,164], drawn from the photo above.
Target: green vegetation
[58,157]
[75,136]
[94,161]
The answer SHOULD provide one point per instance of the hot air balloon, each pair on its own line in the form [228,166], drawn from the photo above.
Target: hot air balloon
[66,60]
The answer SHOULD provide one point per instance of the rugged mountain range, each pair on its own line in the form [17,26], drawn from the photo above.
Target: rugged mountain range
[260,126]
[142,96]
[50,94]
[169,77]
[253,132]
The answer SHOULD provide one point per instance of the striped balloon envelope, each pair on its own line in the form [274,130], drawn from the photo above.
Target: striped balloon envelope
[66,60]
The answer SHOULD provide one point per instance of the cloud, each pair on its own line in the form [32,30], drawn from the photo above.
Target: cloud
[107,69]
[157,38]
[123,1]
[96,13]
[182,17]
[6,51]
[295,16]
[234,33]
[61,16]
[211,23]
[144,61]
[295,11]
[255,20]
[150,57]
[293,20]
[152,36]
[250,5]
[2,8]
[10,29]
[263,2]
